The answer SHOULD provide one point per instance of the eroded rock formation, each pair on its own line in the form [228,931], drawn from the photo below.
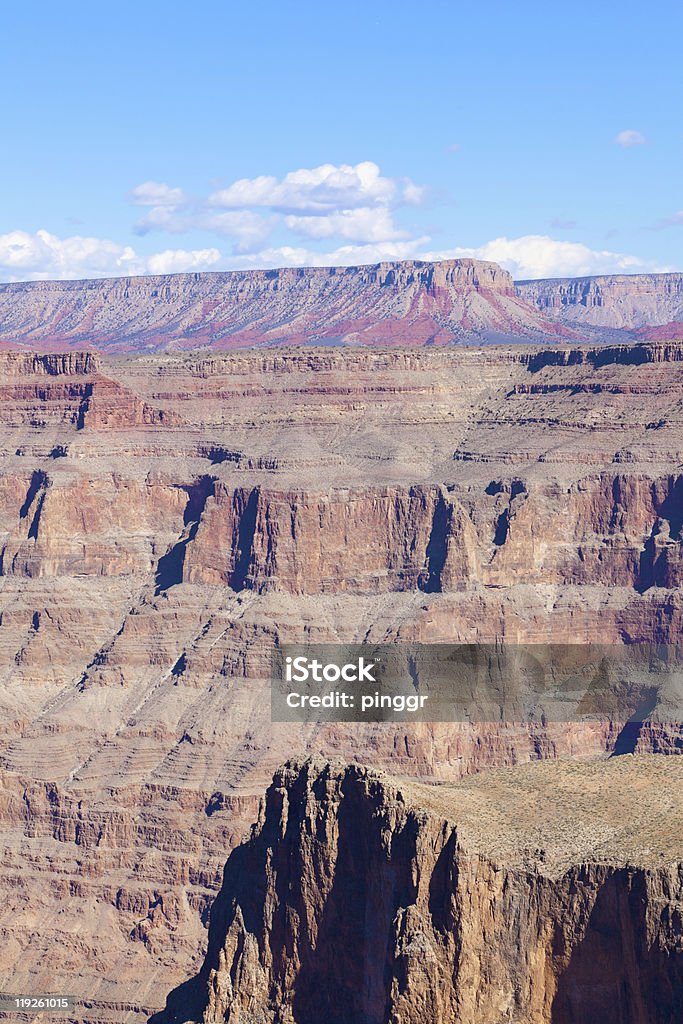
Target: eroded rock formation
[412,302]
[549,894]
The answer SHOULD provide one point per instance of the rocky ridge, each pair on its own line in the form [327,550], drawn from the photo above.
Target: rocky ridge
[412,302]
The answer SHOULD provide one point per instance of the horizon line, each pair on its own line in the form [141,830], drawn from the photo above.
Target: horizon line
[468,260]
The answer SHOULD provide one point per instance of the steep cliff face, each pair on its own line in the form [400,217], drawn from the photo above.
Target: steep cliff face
[165,521]
[362,899]
[617,301]
[391,303]
[624,529]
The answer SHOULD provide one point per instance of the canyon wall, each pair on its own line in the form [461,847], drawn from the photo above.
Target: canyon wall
[390,303]
[166,520]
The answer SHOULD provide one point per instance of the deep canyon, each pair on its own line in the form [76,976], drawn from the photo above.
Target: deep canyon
[168,518]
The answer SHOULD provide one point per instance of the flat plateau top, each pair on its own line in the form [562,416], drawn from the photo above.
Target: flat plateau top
[549,815]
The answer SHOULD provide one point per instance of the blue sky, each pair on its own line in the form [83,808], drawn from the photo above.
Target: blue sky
[159,137]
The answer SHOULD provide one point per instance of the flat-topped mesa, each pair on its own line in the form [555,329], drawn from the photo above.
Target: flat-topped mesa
[464,273]
[616,301]
[411,303]
[528,895]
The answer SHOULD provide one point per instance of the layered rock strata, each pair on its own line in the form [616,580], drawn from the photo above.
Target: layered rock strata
[612,301]
[408,303]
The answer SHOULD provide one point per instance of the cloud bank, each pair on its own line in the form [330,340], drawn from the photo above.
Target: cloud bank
[538,256]
[330,215]
[41,256]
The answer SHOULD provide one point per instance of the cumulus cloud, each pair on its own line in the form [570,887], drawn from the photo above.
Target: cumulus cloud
[364,224]
[162,218]
[630,137]
[41,256]
[177,261]
[156,193]
[349,202]
[534,256]
[322,189]
[247,229]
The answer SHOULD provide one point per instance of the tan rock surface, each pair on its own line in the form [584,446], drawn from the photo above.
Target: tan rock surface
[166,520]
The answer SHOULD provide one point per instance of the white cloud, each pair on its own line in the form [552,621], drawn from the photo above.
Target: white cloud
[41,256]
[411,193]
[534,256]
[177,261]
[348,202]
[630,137]
[162,218]
[343,256]
[364,224]
[248,229]
[156,193]
[317,190]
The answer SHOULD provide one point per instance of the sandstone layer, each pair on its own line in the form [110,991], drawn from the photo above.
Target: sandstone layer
[546,894]
[166,520]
